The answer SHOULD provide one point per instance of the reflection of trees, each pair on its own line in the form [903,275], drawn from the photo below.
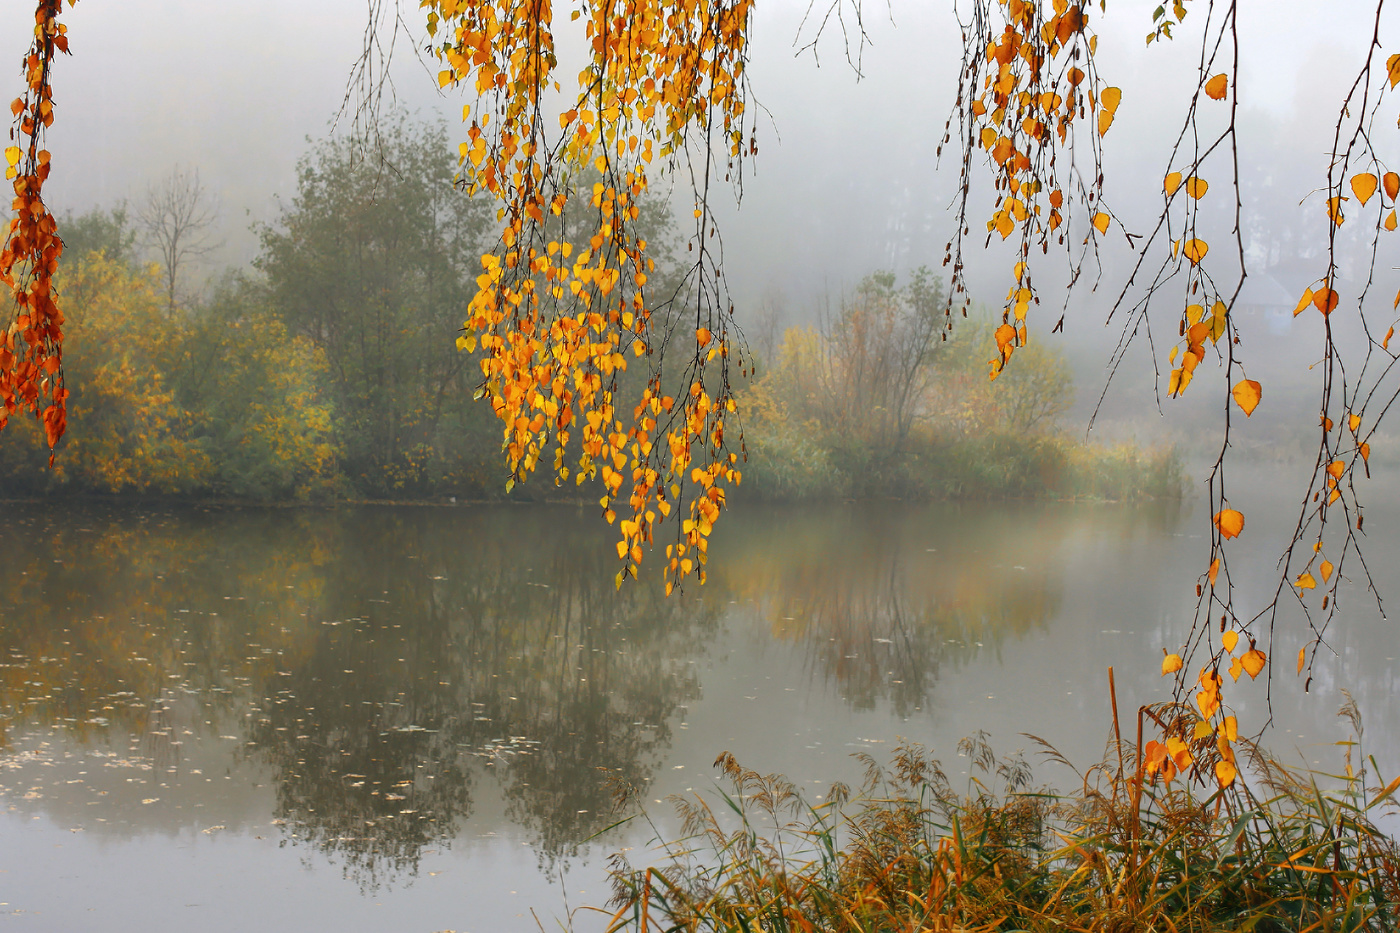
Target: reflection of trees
[109,614]
[385,664]
[880,602]
[459,660]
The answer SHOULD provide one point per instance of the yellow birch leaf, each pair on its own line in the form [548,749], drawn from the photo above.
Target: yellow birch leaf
[1202,730]
[1391,183]
[1253,662]
[1247,393]
[1171,663]
[1306,581]
[1236,668]
[1224,773]
[1195,250]
[1326,569]
[1336,468]
[1354,422]
[1305,301]
[1365,452]
[1217,87]
[1101,222]
[1390,221]
[702,335]
[1363,186]
[1110,98]
[1302,657]
[1214,571]
[1105,121]
[1385,344]
[1230,729]
[1230,522]
[1392,65]
[1229,640]
[1196,187]
[1172,182]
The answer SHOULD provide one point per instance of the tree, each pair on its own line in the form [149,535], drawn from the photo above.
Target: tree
[372,262]
[175,220]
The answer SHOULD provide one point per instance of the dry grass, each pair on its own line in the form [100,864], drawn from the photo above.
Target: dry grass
[906,852]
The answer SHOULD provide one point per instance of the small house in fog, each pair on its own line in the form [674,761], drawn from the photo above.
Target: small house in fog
[1264,300]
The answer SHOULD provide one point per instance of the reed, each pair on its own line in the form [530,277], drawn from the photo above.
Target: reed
[1280,849]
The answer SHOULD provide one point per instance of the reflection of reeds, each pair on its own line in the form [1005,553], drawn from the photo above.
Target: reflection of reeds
[908,852]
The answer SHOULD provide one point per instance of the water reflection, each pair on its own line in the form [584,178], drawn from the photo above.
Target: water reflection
[400,678]
[879,597]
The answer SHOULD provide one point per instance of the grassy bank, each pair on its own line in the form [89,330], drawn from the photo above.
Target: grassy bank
[1118,852]
[786,467]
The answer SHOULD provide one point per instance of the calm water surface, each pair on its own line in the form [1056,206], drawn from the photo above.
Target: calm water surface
[413,719]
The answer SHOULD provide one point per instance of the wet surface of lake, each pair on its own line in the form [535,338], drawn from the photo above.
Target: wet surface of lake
[414,719]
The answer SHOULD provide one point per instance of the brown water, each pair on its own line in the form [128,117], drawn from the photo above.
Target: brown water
[413,719]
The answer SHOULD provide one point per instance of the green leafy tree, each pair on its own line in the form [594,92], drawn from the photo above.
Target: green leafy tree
[372,261]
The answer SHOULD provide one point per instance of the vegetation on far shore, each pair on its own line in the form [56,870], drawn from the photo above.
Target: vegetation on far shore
[327,371]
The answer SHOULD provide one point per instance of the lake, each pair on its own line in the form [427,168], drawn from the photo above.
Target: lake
[414,719]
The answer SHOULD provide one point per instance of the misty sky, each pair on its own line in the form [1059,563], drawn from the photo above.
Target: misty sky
[846,181]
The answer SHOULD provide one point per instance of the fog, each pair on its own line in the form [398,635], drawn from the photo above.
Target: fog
[846,181]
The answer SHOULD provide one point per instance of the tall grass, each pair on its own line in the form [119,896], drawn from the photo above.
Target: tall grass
[1289,850]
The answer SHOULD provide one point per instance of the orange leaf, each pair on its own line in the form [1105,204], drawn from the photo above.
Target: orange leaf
[1230,522]
[1224,773]
[1236,668]
[1385,344]
[1229,640]
[1171,663]
[1306,581]
[1336,468]
[1214,570]
[1390,221]
[1253,662]
[1364,185]
[1247,393]
[1196,187]
[1326,570]
[1354,422]
[1391,183]
[1302,657]
[1195,250]
[1172,182]
[1307,300]
[1392,65]
[1101,222]
[1325,299]
[702,335]
[1365,452]
[1217,87]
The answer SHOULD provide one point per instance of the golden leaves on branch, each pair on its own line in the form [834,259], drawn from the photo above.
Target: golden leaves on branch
[554,326]
[31,348]
[1217,87]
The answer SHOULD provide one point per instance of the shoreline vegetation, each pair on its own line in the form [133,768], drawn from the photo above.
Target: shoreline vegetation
[1282,849]
[326,370]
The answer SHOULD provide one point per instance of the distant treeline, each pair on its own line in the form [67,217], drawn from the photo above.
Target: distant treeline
[328,370]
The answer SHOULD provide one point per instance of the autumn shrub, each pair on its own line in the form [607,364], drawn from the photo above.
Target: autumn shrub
[1119,852]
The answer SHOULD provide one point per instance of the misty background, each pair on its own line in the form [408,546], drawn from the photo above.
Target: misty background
[846,182]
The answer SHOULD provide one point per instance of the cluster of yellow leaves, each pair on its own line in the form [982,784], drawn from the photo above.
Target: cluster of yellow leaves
[31,348]
[1197,326]
[1174,756]
[1038,81]
[554,329]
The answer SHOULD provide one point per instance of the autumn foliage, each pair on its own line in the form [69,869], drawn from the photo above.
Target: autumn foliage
[31,349]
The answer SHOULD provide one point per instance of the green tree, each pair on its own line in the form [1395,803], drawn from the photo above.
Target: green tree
[373,261]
